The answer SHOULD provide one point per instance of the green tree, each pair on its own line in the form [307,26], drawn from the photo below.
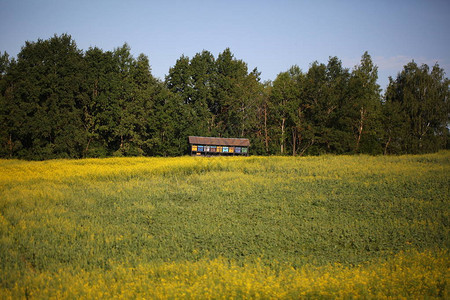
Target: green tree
[202,71]
[227,106]
[421,97]
[237,95]
[363,108]
[168,124]
[393,127]
[262,138]
[192,80]
[325,90]
[219,97]
[4,64]
[285,103]
[45,99]
[179,79]
[98,117]
[6,123]
[123,106]
[120,97]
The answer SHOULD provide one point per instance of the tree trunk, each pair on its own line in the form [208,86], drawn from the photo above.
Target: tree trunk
[294,140]
[282,135]
[10,146]
[243,120]
[95,90]
[422,133]
[297,129]
[360,127]
[306,147]
[387,145]
[87,147]
[211,124]
[266,138]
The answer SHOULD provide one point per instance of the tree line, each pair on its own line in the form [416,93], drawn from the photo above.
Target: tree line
[57,101]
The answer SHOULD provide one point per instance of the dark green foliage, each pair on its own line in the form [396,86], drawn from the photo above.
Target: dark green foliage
[419,102]
[363,110]
[58,101]
[220,97]
[326,110]
[43,100]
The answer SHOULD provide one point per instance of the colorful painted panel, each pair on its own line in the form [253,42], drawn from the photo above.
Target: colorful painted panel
[203,149]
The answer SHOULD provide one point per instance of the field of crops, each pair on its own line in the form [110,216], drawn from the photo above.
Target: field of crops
[240,227]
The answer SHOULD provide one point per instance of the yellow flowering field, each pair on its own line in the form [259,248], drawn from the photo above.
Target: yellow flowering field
[226,227]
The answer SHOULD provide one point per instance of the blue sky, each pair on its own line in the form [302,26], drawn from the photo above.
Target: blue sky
[269,35]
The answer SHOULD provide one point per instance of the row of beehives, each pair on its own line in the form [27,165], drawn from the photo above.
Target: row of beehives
[219,149]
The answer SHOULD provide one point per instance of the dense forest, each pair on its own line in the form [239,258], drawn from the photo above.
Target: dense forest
[57,101]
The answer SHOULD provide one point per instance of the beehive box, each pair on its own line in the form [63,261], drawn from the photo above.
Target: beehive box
[218,145]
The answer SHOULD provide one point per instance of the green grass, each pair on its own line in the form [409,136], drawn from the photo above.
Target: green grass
[95,214]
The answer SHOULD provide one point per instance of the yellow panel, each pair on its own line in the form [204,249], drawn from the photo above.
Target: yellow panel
[194,147]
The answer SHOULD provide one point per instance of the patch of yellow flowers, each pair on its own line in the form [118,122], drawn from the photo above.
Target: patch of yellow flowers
[408,275]
[312,168]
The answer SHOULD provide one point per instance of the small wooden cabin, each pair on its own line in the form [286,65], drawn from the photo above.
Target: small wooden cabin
[210,146]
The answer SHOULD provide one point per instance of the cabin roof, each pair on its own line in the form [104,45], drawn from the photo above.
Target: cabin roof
[201,140]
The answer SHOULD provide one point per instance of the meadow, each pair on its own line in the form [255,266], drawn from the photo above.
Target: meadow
[226,227]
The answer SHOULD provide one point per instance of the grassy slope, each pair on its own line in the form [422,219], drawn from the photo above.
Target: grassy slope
[90,216]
